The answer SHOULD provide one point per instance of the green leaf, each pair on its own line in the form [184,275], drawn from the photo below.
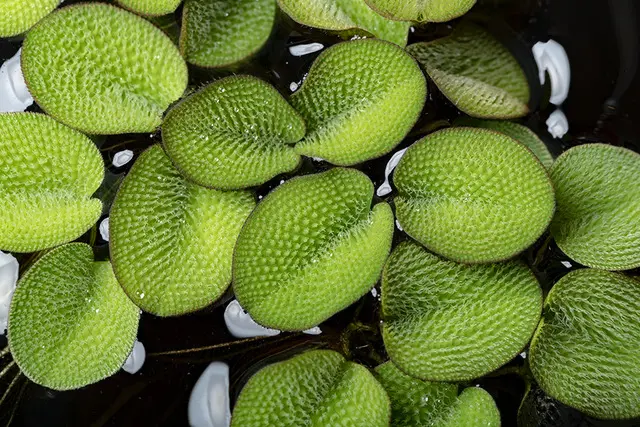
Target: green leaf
[172,241]
[316,389]
[219,33]
[420,10]
[476,72]
[102,70]
[585,351]
[345,16]
[312,247]
[444,321]
[235,133]
[19,15]
[70,323]
[150,7]
[49,173]
[473,195]
[520,133]
[416,403]
[360,99]
[598,219]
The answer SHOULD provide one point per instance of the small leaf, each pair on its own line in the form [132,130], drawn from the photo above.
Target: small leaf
[473,195]
[235,133]
[102,70]
[150,7]
[171,240]
[311,248]
[70,323]
[219,33]
[585,350]
[416,403]
[420,10]
[19,15]
[316,388]
[520,133]
[347,16]
[48,174]
[476,73]
[598,219]
[360,100]
[453,322]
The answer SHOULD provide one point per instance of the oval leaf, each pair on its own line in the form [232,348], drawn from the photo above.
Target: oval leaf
[70,323]
[452,322]
[316,388]
[360,100]
[48,174]
[416,403]
[473,195]
[19,15]
[345,15]
[234,133]
[598,218]
[585,351]
[171,240]
[150,7]
[476,73]
[218,33]
[311,248]
[102,70]
[520,133]
[420,10]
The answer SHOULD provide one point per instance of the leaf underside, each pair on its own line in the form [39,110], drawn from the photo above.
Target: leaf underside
[473,195]
[19,15]
[311,248]
[172,241]
[440,317]
[585,351]
[70,323]
[420,10]
[150,7]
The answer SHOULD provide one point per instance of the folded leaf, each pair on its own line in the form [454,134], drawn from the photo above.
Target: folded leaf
[150,7]
[477,73]
[311,248]
[218,33]
[316,389]
[473,195]
[444,321]
[70,323]
[360,99]
[102,70]
[421,10]
[417,403]
[19,15]
[598,219]
[235,133]
[585,350]
[345,15]
[172,241]
[48,173]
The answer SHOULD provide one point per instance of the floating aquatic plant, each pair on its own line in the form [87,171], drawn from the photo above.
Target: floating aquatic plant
[585,350]
[171,240]
[473,195]
[125,71]
[360,100]
[476,72]
[237,132]
[420,10]
[440,317]
[347,17]
[48,173]
[19,15]
[416,403]
[598,218]
[150,7]
[316,388]
[311,248]
[219,33]
[70,323]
